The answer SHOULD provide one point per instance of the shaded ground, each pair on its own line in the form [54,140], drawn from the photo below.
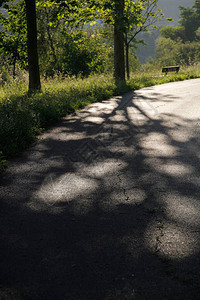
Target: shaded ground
[106,205]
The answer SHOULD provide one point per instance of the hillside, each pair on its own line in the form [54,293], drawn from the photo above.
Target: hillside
[171,10]
[171,7]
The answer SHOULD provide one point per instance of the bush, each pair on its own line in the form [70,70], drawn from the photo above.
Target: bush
[23,117]
[4,75]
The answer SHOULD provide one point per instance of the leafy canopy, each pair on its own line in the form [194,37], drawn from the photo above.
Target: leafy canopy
[13,33]
[84,12]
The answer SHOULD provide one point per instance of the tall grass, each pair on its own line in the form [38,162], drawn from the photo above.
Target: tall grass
[23,118]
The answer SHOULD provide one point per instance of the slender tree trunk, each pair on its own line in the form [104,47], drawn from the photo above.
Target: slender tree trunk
[127,62]
[14,67]
[119,62]
[34,74]
[127,57]
[50,37]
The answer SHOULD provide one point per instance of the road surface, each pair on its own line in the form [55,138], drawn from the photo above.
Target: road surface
[107,204]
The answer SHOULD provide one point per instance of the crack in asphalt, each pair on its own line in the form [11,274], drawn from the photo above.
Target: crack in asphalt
[159,236]
[120,181]
[168,268]
[127,198]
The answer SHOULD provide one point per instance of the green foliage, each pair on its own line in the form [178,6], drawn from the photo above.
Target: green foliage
[147,17]
[82,53]
[74,13]
[4,75]
[146,20]
[75,52]
[181,45]
[64,47]
[48,41]
[23,117]
[16,124]
[77,13]
[71,51]
[188,53]
[173,33]
[190,20]
[134,63]
[189,24]
[166,50]
[13,35]
[170,52]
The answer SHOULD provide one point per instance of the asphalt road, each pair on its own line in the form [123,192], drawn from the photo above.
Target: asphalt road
[106,205]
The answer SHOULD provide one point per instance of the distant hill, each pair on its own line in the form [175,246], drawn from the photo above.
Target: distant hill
[170,9]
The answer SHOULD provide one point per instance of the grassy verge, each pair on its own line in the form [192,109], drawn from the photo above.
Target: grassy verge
[23,118]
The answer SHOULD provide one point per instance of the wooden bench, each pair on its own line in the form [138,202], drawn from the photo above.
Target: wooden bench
[170,69]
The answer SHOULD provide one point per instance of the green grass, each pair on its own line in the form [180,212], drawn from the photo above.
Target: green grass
[23,118]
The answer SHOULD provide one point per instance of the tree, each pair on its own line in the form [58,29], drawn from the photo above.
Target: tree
[170,52]
[119,62]
[81,52]
[46,32]
[13,35]
[190,20]
[149,15]
[173,33]
[124,15]
[117,13]
[129,18]
[34,74]
[180,44]
[47,38]
[120,14]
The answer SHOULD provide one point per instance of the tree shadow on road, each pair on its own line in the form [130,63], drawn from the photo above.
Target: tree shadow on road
[97,209]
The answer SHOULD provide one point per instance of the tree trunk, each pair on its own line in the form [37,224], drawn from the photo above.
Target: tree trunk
[127,57]
[34,74]
[127,62]
[50,38]
[14,67]
[119,62]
